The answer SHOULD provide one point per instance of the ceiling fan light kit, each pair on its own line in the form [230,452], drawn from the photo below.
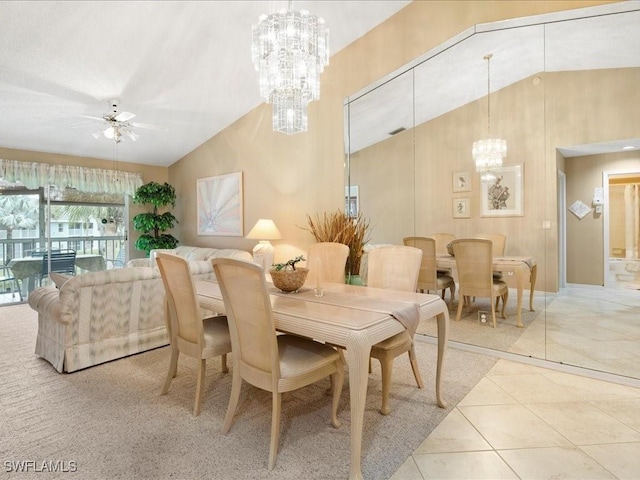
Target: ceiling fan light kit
[117,124]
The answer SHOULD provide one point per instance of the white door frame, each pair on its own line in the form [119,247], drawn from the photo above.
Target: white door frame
[562,229]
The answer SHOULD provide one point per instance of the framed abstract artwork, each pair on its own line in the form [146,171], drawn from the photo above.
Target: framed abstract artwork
[503,195]
[219,203]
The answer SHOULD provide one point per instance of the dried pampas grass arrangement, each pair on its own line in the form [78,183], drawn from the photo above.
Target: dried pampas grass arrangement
[341,228]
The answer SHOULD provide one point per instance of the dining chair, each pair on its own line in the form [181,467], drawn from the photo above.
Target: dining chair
[474,264]
[396,268]
[273,362]
[189,333]
[429,277]
[61,261]
[499,241]
[442,239]
[326,262]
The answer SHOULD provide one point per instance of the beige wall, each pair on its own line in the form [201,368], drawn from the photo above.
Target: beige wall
[288,177]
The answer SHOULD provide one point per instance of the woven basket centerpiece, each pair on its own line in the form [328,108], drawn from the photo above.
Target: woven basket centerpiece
[289,280]
[450,249]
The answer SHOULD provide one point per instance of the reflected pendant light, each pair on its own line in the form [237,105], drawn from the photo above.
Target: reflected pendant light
[488,153]
[290,50]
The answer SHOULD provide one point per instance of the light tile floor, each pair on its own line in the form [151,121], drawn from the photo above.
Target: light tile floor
[527,422]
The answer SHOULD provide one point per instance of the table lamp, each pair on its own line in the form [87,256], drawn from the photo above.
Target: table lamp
[264,230]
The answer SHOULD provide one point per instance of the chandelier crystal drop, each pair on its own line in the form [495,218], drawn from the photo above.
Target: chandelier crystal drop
[290,50]
[488,153]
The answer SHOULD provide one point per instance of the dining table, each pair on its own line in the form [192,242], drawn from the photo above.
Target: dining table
[352,317]
[523,268]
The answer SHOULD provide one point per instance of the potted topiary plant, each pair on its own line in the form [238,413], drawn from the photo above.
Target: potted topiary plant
[287,277]
[152,224]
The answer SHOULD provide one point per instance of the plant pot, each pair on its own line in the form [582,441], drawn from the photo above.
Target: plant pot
[289,280]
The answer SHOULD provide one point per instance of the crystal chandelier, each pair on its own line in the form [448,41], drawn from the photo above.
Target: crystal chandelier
[488,153]
[290,50]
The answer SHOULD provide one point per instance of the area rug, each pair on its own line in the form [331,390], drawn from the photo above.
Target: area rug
[110,421]
[470,331]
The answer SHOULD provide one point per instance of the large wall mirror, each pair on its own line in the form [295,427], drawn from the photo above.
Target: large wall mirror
[565,94]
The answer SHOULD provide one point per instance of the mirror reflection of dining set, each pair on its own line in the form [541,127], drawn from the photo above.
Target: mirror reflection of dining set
[479,267]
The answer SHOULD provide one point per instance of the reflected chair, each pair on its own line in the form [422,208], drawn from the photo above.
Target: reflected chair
[474,262]
[429,277]
[326,262]
[395,268]
[498,240]
[442,240]
[266,360]
[189,333]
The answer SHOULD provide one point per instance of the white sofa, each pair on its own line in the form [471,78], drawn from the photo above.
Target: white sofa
[101,316]
[199,258]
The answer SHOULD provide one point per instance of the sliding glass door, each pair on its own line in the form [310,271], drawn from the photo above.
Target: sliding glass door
[37,227]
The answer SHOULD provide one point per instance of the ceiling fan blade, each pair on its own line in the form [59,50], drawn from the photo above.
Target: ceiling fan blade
[124,116]
[146,125]
[92,118]
[130,133]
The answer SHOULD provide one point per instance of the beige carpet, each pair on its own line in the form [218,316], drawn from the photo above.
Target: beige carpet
[111,421]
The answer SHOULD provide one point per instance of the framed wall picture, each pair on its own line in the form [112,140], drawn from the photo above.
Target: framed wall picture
[219,203]
[462,207]
[503,195]
[461,182]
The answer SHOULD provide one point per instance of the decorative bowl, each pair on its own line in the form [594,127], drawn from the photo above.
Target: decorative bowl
[289,280]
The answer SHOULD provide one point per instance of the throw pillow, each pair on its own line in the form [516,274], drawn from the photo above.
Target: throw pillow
[59,278]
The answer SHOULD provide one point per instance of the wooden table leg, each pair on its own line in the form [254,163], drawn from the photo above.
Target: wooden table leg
[357,356]
[521,274]
[443,337]
[534,275]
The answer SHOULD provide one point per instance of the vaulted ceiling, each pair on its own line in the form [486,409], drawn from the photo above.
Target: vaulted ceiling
[182,67]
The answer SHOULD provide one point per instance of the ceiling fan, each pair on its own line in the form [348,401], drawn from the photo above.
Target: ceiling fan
[116,124]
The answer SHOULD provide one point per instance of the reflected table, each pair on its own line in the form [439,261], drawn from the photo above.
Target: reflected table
[524,268]
[352,325]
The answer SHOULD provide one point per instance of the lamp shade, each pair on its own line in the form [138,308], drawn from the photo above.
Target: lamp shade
[265,229]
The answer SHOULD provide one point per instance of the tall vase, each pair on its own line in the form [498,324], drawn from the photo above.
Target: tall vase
[352,279]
